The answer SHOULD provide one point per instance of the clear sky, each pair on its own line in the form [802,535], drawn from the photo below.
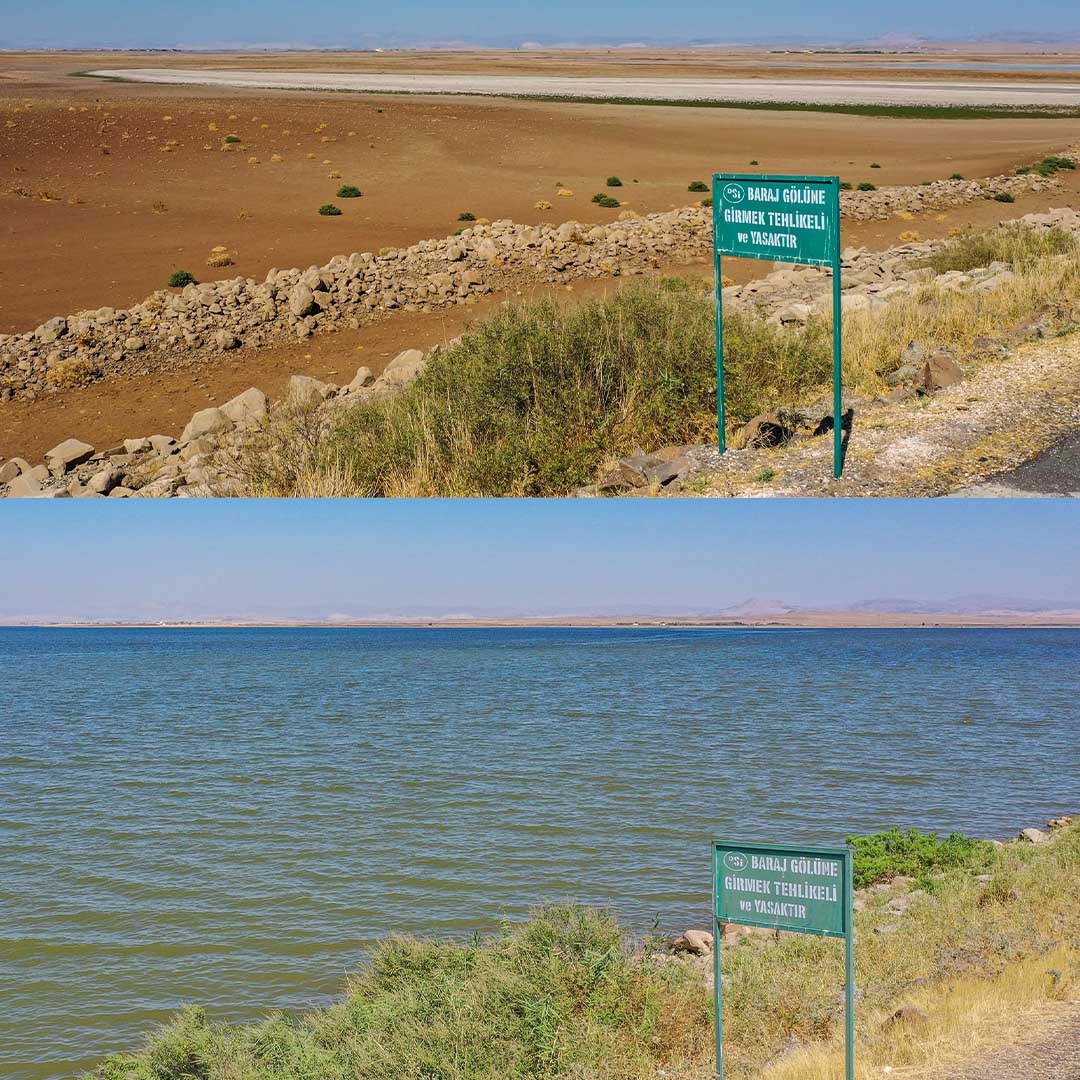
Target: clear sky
[294,559]
[199,23]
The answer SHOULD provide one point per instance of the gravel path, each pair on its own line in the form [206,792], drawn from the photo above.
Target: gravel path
[1051,1053]
[807,91]
[1004,413]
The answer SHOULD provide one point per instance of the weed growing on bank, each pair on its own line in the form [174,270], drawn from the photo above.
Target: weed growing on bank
[533,401]
[1023,249]
[569,994]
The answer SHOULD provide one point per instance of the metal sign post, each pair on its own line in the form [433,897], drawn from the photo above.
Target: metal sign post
[806,890]
[794,219]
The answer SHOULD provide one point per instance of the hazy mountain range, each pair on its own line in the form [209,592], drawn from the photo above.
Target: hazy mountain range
[897,41]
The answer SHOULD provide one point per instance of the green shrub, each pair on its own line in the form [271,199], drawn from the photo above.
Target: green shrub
[754,162]
[957,176]
[1048,166]
[329,210]
[465,215]
[614,181]
[348,191]
[845,186]
[599,197]
[874,165]
[707,202]
[609,203]
[534,400]
[1005,197]
[883,856]
[232,138]
[698,185]
[179,278]
[867,186]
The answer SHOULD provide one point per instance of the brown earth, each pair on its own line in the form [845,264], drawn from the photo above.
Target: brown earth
[83,228]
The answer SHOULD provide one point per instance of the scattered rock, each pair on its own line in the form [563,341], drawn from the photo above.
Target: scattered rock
[403,369]
[1033,836]
[908,1014]
[212,421]
[764,431]
[24,486]
[67,455]
[303,390]
[698,942]
[246,408]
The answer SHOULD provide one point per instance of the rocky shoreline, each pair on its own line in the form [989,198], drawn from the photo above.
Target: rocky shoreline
[890,899]
[202,460]
[201,321]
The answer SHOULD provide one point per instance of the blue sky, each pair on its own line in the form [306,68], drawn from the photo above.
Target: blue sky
[369,558]
[131,23]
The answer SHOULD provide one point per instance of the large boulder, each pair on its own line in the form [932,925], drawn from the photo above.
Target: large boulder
[212,421]
[1033,836]
[67,455]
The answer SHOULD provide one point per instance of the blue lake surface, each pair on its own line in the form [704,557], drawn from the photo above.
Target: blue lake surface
[230,817]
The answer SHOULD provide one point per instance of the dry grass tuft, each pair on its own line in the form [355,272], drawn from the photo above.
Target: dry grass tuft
[68,374]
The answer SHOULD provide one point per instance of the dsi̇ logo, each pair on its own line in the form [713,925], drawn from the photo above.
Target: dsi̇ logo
[736,860]
[734,193]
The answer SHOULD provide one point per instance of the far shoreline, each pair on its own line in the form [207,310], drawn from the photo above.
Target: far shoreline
[809,620]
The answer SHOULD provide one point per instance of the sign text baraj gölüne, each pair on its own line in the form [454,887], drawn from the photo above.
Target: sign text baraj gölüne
[787,221]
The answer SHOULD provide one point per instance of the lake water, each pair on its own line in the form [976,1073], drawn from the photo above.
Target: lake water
[230,817]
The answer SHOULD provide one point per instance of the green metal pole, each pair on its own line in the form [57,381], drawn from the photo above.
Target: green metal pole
[721,418]
[838,370]
[717,986]
[849,993]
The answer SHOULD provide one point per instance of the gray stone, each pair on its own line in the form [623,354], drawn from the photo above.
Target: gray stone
[304,390]
[136,446]
[67,455]
[698,942]
[24,486]
[363,378]
[104,481]
[226,339]
[1033,836]
[246,408]
[301,300]
[210,421]
[403,369]
[162,444]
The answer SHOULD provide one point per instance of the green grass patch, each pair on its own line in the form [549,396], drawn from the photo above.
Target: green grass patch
[886,855]
[1048,166]
[349,191]
[179,278]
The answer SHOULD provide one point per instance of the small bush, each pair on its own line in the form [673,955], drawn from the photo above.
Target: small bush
[874,165]
[465,215]
[1048,166]
[707,202]
[179,278]
[614,181]
[329,210]
[349,191]
[886,855]
[698,185]
[609,203]
[232,139]
[599,197]
[755,162]
[1004,196]
[867,186]
[845,186]
[957,176]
